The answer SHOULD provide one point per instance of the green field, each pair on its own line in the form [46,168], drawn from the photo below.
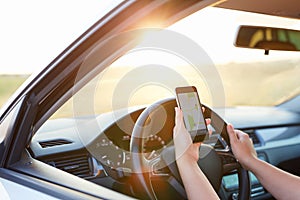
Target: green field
[244,84]
[8,85]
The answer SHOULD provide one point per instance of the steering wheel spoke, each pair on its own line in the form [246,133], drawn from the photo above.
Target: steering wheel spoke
[229,162]
[158,168]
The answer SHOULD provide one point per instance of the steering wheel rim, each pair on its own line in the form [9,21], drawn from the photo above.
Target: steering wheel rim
[142,167]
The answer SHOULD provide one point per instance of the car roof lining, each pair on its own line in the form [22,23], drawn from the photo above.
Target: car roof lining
[280,8]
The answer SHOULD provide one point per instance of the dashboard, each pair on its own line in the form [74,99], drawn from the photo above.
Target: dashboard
[97,148]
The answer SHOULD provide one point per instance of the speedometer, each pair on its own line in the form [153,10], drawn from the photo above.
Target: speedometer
[111,155]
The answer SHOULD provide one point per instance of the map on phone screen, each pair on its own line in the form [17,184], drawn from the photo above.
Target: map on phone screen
[191,109]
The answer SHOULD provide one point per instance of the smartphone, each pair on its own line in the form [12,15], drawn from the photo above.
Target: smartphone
[189,102]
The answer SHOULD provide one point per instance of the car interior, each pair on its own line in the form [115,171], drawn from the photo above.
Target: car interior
[85,133]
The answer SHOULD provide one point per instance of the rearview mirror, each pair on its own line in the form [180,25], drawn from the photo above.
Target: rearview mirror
[267,38]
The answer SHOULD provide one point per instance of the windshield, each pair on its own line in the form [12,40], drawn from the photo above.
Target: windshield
[224,75]
[249,77]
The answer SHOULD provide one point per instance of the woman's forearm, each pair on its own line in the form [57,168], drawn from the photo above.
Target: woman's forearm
[195,182]
[280,184]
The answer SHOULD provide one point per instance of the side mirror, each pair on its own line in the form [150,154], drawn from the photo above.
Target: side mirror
[267,38]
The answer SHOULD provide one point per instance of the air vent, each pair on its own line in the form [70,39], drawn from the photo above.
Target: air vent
[79,165]
[254,137]
[52,143]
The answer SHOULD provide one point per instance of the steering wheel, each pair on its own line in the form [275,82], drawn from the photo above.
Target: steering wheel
[214,162]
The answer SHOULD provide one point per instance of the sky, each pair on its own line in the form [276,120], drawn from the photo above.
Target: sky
[34,32]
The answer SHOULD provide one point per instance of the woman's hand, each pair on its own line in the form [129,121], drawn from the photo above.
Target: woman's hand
[187,154]
[184,145]
[242,146]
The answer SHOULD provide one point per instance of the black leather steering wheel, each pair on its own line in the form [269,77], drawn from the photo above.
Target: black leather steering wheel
[159,118]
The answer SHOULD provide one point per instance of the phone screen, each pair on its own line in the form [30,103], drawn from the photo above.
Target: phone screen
[190,105]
